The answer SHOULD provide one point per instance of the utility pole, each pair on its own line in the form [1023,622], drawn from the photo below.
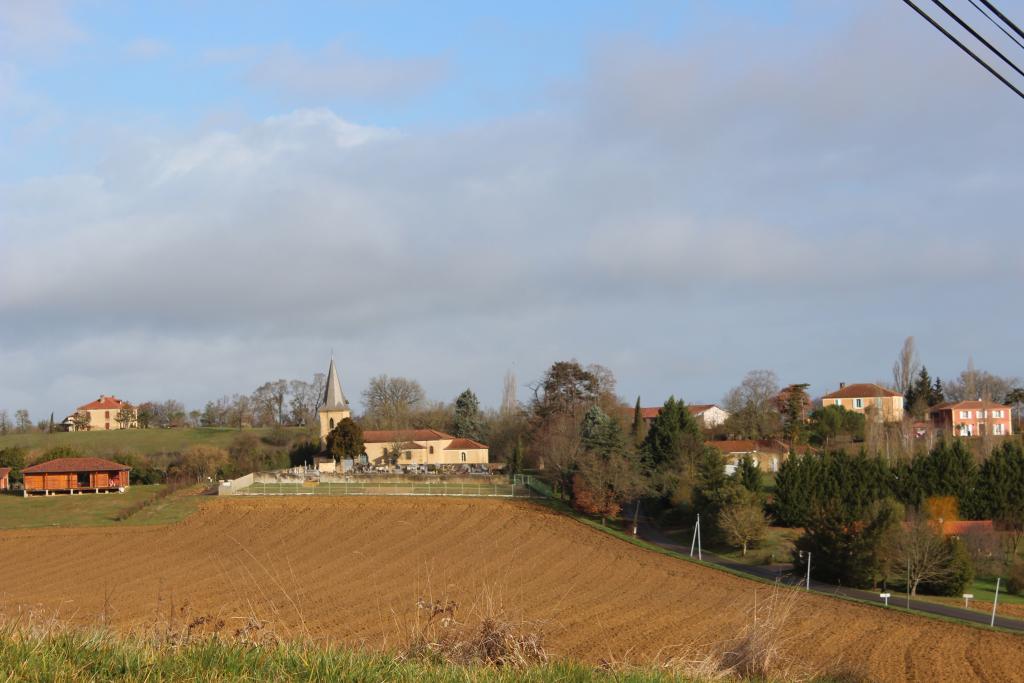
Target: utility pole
[908,585]
[995,601]
[808,570]
[636,516]
[695,543]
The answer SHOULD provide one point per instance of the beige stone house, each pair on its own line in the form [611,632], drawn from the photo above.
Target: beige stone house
[870,399]
[422,447]
[101,414]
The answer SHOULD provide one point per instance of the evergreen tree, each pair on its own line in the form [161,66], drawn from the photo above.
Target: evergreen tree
[938,393]
[749,474]
[795,413]
[345,440]
[638,429]
[600,433]
[1000,487]
[672,447]
[467,422]
[514,464]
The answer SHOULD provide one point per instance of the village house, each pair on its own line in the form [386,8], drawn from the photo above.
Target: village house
[394,447]
[870,399]
[708,414]
[422,447]
[102,414]
[76,475]
[5,478]
[971,418]
[767,454]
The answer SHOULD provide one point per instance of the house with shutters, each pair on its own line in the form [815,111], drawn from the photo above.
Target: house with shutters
[870,399]
[104,413]
[971,418]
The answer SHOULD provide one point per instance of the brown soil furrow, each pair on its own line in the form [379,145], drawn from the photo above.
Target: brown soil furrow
[351,570]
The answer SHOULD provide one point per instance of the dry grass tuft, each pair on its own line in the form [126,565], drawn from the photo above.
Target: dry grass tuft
[488,637]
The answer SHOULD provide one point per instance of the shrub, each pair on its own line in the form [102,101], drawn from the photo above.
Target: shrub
[1015,581]
[278,436]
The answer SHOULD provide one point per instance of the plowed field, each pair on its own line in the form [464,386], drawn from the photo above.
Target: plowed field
[352,570]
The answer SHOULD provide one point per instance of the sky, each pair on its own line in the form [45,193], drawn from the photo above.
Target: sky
[196,198]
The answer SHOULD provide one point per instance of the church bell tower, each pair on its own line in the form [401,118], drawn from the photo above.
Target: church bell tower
[334,407]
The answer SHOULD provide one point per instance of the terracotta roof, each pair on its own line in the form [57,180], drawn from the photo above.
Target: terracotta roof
[695,409]
[730,447]
[75,465]
[106,403]
[393,435]
[464,444]
[958,528]
[411,446]
[4,471]
[740,446]
[968,405]
[861,391]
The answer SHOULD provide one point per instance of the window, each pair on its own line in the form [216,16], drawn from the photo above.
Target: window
[981,414]
[107,414]
[431,450]
[332,423]
[858,403]
[964,414]
[408,455]
[997,413]
[837,402]
[998,430]
[463,456]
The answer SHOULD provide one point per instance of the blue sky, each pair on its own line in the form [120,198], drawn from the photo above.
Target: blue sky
[198,197]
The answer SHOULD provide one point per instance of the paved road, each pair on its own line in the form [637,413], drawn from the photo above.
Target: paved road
[650,533]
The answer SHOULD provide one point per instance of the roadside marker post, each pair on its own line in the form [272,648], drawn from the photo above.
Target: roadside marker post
[885,596]
[695,543]
[967,600]
[995,601]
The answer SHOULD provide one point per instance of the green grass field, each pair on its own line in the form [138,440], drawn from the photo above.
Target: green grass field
[137,441]
[92,509]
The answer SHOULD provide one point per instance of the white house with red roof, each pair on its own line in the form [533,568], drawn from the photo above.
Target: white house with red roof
[708,414]
[104,413]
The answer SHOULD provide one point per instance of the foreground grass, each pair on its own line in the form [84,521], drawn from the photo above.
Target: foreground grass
[95,509]
[132,441]
[81,656]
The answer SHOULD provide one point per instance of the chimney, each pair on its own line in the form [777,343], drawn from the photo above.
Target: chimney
[842,385]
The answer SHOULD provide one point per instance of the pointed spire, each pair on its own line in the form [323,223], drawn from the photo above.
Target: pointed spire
[334,399]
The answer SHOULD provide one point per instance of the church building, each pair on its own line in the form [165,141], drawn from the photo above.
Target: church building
[404,447]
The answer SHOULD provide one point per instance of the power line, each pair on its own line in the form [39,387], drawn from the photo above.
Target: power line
[996,24]
[966,49]
[1002,16]
[977,35]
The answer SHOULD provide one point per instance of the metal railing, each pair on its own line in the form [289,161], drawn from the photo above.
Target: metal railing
[516,488]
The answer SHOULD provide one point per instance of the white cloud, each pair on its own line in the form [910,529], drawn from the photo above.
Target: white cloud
[37,28]
[678,219]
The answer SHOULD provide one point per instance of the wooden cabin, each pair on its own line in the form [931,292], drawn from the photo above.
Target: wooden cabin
[76,475]
[5,478]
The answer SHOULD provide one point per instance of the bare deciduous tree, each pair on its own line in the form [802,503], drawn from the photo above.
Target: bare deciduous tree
[921,551]
[743,522]
[906,367]
[509,402]
[22,420]
[390,401]
[752,405]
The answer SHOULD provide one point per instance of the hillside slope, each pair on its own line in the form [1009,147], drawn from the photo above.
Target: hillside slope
[351,570]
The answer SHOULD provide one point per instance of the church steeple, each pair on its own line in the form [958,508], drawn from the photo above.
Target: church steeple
[334,399]
[335,406]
